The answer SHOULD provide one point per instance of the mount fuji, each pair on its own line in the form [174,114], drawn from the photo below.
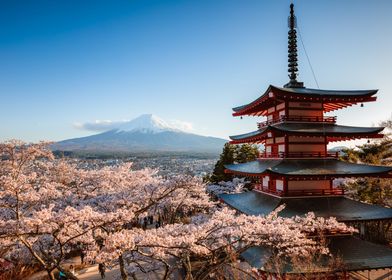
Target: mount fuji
[146,133]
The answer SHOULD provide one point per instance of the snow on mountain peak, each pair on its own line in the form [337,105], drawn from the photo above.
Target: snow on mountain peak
[147,123]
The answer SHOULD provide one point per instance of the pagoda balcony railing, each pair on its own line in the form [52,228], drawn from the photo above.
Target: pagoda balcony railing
[307,192]
[323,119]
[300,155]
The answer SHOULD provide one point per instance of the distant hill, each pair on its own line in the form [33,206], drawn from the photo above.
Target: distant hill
[146,133]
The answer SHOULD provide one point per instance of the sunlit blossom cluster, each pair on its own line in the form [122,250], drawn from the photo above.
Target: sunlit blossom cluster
[50,207]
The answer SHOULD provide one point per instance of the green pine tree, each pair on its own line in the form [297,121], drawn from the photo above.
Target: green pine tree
[246,153]
[372,190]
[232,154]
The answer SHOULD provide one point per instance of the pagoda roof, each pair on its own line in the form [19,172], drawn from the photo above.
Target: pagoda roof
[309,129]
[344,209]
[307,167]
[355,253]
[332,99]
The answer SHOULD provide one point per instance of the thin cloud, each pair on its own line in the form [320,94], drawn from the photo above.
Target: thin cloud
[99,125]
[106,125]
[181,125]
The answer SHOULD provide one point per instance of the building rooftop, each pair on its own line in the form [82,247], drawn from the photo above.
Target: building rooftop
[309,129]
[343,208]
[307,167]
[332,99]
[355,254]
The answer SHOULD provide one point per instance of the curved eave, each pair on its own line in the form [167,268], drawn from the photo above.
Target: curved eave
[340,207]
[253,168]
[327,93]
[330,130]
[332,99]
[354,254]
[333,132]
[303,168]
[247,109]
[251,137]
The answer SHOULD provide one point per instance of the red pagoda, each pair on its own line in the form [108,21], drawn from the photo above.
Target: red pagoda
[296,168]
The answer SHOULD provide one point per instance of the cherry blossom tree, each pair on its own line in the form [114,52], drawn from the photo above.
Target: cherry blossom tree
[51,207]
[210,242]
[236,185]
[41,216]
[171,199]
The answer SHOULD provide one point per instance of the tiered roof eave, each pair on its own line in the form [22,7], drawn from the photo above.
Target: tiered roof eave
[342,208]
[297,171]
[354,253]
[331,131]
[305,168]
[331,99]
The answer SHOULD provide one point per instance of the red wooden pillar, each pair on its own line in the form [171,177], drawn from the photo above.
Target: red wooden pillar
[286,145]
[285,186]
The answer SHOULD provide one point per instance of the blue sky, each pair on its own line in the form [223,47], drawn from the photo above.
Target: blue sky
[64,63]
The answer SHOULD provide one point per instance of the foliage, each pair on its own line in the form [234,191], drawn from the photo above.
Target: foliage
[50,208]
[235,186]
[210,242]
[371,190]
[232,154]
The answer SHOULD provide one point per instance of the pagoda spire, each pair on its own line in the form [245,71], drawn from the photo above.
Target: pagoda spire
[292,51]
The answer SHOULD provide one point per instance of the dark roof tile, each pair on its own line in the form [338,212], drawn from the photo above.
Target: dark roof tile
[312,129]
[307,167]
[344,209]
[355,253]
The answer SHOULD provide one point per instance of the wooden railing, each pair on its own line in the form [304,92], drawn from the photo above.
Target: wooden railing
[300,155]
[323,119]
[307,192]
[311,192]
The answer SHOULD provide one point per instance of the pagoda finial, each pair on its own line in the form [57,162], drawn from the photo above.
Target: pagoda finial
[292,48]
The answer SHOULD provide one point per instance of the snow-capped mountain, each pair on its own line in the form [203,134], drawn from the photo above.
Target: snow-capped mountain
[147,133]
[147,123]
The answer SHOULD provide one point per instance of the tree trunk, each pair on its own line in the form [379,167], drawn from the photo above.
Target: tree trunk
[124,275]
[51,274]
[188,268]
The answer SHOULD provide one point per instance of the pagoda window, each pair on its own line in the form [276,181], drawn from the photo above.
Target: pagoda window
[266,181]
[279,185]
[282,148]
[282,113]
[268,149]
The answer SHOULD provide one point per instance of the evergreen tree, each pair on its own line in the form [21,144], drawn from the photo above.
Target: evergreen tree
[246,153]
[372,190]
[232,154]
[226,157]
